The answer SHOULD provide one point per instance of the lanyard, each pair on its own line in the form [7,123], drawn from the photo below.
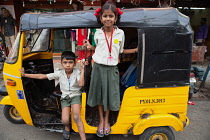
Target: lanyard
[69,83]
[109,45]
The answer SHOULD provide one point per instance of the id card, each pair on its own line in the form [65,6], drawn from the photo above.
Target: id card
[110,60]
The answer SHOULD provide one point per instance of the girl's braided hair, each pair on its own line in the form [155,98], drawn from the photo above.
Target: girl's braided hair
[109,5]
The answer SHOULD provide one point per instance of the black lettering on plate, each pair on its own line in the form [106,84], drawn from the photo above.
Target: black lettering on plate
[151,101]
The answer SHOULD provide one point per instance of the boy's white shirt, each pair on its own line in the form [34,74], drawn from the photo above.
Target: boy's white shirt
[61,76]
[102,53]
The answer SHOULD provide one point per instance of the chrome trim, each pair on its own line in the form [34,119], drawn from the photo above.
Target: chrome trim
[11,75]
[143,58]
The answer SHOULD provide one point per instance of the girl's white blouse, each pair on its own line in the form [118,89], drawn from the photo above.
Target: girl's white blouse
[102,52]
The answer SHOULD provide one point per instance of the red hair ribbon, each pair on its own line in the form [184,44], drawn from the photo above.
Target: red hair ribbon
[97,12]
[119,12]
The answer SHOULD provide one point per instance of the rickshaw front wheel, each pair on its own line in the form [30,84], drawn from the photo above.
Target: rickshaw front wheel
[12,115]
[157,133]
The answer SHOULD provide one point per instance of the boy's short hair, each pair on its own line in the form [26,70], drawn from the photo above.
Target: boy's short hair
[3,8]
[68,55]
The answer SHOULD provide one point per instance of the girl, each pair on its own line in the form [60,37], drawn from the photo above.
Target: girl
[104,85]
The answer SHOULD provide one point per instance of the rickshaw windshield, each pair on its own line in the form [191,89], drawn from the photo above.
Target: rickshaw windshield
[36,40]
[12,58]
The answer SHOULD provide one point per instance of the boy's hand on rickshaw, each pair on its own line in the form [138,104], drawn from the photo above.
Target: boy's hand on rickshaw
[83,62]
[22,71]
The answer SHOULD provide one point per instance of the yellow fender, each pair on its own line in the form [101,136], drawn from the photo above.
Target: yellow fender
[156,121]
[6,101]
[187,121]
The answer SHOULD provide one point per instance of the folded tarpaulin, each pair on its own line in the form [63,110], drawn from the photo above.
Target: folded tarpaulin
[134,17]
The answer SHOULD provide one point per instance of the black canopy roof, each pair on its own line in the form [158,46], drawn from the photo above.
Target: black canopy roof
[136,17]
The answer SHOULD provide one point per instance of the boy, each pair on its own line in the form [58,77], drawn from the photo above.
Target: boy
[71,80]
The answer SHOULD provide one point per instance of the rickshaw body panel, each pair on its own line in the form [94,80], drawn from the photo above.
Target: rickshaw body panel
[40,55]
[11,72]
[16,92]
[87,127]
[154,104]
[144,108]
[157,121]
[6,101]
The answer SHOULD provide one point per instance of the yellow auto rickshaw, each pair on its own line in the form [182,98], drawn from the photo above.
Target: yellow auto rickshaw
[151,105]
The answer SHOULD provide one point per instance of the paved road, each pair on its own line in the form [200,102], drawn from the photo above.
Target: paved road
[198,129]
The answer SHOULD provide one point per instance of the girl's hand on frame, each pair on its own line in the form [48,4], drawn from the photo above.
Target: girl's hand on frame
[136,50]
[22,72]
[87,44]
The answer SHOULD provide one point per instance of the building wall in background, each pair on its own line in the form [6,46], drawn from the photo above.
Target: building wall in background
[198,14]
[195,23]
[10,8]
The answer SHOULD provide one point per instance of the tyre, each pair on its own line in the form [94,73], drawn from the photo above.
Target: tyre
[12,115]
[157,133]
